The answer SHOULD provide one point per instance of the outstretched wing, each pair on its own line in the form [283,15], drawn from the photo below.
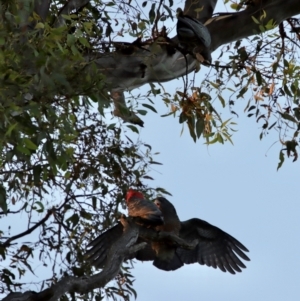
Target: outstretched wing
[99,247]
[215,248]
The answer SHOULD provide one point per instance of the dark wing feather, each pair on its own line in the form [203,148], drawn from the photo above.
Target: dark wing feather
[215,248]
[144,254]
[99,247]
[171,265]
[189,29]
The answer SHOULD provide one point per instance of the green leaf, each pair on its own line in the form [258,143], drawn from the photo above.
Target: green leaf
[111,126]
[154,162]
[213,140]
[215,85]
[222,100]
[258,78]
[225,134]
[29,144]
[287,90]
[168,114]
[70,39]
[10,129]
[199,127]
[167,8]
[39,25]
[41,207]
[152,13]
[220,138]
[37,174]
[223,125]
[234,6]
[255,20]
[142,112]
[149,107]
[84,42]
[281,159]
[274,67]
[242,92]
[74,219]
[133,128]
[162,190]
[3,204]
[289,117]
[94,202]
[270,25]
[191,125]
[23,150]
[182,117]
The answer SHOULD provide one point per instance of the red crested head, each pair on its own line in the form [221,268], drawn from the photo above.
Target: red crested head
[133,193]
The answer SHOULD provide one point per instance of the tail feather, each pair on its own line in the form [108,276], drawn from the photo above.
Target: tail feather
[168,265]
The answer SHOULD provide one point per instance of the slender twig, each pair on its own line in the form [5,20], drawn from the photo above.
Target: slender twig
[28,231]
[157,17]
[12,212]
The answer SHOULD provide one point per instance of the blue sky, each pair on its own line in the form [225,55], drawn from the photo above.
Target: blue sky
[238,189]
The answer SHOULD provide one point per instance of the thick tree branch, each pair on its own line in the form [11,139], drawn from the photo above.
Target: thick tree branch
[154,62]
[236,26]
[118,252]
[123,72]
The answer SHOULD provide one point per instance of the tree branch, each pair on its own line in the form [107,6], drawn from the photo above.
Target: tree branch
[41,7]
[118,252]
[236,26]
[123,72]
[154,62]
[28,231]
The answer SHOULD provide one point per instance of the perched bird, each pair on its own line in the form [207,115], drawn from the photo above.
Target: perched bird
[165,255]
[190,30]
[193,36]
[143,212]
[215,247]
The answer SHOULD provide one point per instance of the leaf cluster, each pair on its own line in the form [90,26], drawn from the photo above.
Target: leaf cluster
[64,168]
